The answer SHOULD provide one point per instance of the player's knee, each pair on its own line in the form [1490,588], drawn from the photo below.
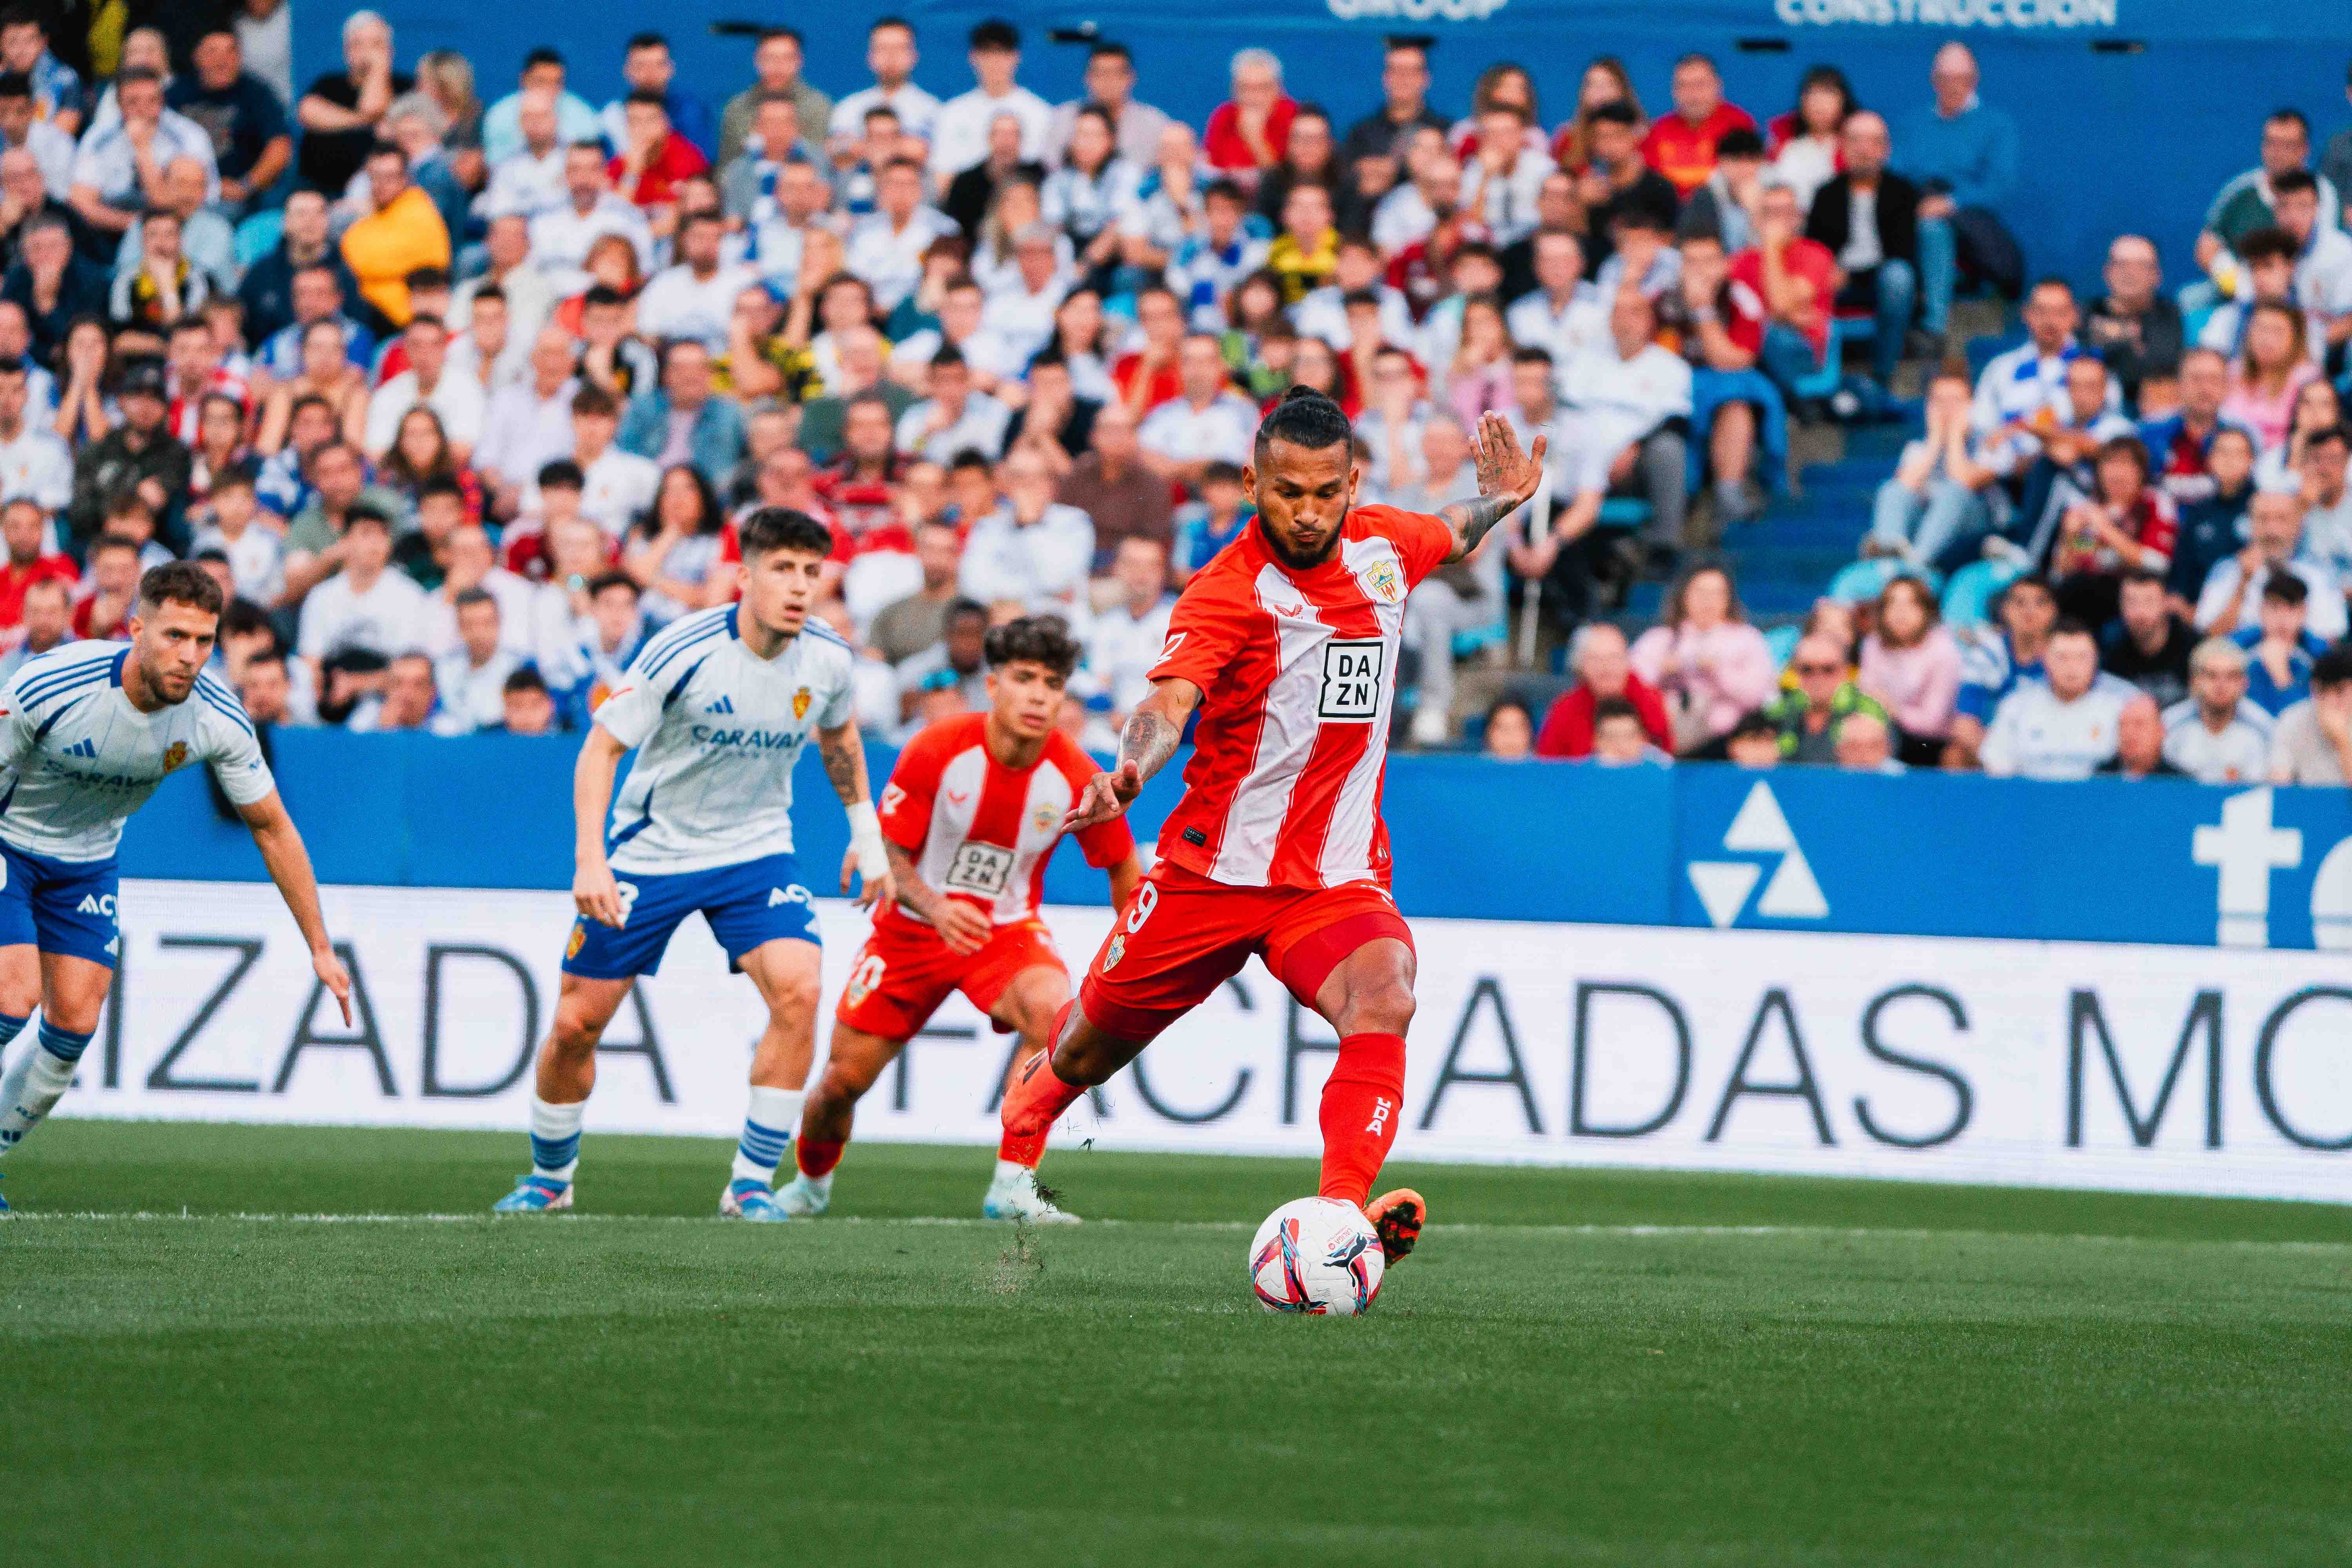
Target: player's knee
[575,1031]
[1383,1007]
[793,998]
[846,1079]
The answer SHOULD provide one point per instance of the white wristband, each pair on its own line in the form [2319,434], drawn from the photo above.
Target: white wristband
[866,840]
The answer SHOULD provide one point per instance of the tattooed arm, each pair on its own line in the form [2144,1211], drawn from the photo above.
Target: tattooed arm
[844,763]
[1150,740]
[1506,477]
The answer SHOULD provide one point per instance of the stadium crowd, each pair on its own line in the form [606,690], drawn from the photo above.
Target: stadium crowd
[461,384]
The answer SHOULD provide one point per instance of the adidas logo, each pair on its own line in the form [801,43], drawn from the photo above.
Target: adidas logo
[85,747]
[1759,828]
[724,705]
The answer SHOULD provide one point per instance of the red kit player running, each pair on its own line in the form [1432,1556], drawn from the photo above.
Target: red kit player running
[971,815]
[1286,644]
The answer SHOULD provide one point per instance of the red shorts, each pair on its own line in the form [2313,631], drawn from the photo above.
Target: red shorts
[1184,935]
[905,971]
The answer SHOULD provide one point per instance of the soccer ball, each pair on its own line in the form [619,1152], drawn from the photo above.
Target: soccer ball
[1317,1255]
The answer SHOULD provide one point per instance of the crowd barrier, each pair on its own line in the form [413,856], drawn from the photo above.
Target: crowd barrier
[1800,850]
[2021,1063]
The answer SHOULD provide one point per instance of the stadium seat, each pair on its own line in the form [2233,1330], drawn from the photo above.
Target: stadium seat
[1968,595]
[257,236]
[1843,329]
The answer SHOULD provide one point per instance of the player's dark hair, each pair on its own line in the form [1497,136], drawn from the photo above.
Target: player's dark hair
[782,527]
[1034,639]
[1305,417]
[178,583]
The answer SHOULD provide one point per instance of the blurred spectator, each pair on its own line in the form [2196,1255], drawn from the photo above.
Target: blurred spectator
[529,180]
[52,285]
[1998,660]
[2213,526]
[256,552]
[956,663]
[1618,740]
[2136,328]
[138,455]
[34,463]
[2147,644]
[906,627]
[1865,745]
[2139,741]
[1808,716]
[1031,550]
[2126,525]
[471,677]
[364,606]
[315,539]
[2215,734]
[1604,672]
[1564,316]
[1109,81]
[954,418]
[1617,180]
[409,700]
[1910,664]
[117,170]
[2273,537]
[1937,504]
[455,402]
[672,552]
[2313,742]
[1795,279]
[562,238]
[694,297]
[1627,399]
[685,418]
[1681,145]
[526,706]
[340,111]
[1124,638]
[2272,367]
[2248,202]
[2062,726]
[1206,526]
[1867,217]
[1404,106]
[1207,421]
[1509,735]
[1805,145]
[2328,498]
[1727,207]
[527,424]
[1710,665]
[2280,647]
[1249,130]
[103,611]
[1111,483]
[2023,390]
[890,55]
[1963,151]
[402,232]
[615,485]
[646,67]
[23,129]
[959,132]
[972,194]
[1306,253]
[1754,742]
[44,623]
[424,550]
[22,529]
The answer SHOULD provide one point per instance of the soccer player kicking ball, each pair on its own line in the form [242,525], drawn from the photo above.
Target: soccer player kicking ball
[86,734]
[716,707]
[972,813]
[1286,644]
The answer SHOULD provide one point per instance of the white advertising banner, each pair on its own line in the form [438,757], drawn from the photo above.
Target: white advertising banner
[2175,1069]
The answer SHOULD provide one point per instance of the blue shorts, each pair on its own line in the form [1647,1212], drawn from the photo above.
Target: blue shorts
[59,906]
[746,904]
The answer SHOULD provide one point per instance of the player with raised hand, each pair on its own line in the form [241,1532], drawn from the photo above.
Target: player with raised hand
[971,815]
[718,708]
[1286,644]
[86,734]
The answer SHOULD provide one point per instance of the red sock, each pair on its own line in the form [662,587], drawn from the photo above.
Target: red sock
[1362,1102]
[1035,1101]
[816,1159]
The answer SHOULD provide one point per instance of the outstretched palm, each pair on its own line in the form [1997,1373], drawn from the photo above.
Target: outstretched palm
[1505,473]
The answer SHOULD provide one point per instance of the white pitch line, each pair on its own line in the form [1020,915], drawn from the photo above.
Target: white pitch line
[1666,1232]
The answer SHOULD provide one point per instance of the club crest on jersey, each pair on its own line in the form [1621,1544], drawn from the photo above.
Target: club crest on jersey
[1044,818]
[175,754]
[1115,952]
[801,703]
[1383,582]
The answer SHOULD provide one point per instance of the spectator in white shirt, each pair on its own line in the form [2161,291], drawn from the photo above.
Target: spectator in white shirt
[1407,213]
[2311,744]
[988,355]
[528,424]
[959,132]
[457,399]
[1110,87]
[1563,316]
[2328,498]
[119,168]
[2217,734]
[562,237]
[34,463]
[2273,536]
[256,552]
[1209,422]
[954,417]
[1322,313]
[777,221]
[2323,266]
[693,297]
[364,607]
[1125,640]
[530,295]
[21,130]
[472,677]
[2062,726]
[615,486]
[1625,398]
[1020,316]
[1031,550]
[403,697]
[891,55]
[532,180]
[2030,379]
[887,245]
[1503,177]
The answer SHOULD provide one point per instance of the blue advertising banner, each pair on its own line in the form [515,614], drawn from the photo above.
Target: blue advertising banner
[1795,849]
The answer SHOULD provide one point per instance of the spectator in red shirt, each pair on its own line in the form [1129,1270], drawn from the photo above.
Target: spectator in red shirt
[104,612]
[2129,525]
[1797,278]
[1604,672]
[1247,133]
[1148,377]
[48,624]
[1681,145]
[647,170]
[22,526]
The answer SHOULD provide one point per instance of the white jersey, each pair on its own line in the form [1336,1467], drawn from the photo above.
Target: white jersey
[717,731]
[77,759]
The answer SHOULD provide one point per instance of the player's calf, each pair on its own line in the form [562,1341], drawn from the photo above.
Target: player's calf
[36,1077]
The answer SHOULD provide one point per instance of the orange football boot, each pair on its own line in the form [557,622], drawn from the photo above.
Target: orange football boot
[1397,1219]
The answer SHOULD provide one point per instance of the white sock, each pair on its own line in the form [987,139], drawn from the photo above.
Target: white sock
[770,1124]
[1010,1171]
[555,1139]
[821,1186]
[35,1081]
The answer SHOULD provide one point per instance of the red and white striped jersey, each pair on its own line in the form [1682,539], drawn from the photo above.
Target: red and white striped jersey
[980,831]
[1297,671]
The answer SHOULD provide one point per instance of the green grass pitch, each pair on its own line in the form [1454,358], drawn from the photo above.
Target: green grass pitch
[1577,1367]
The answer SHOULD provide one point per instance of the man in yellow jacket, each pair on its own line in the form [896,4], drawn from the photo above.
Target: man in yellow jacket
[404,233]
